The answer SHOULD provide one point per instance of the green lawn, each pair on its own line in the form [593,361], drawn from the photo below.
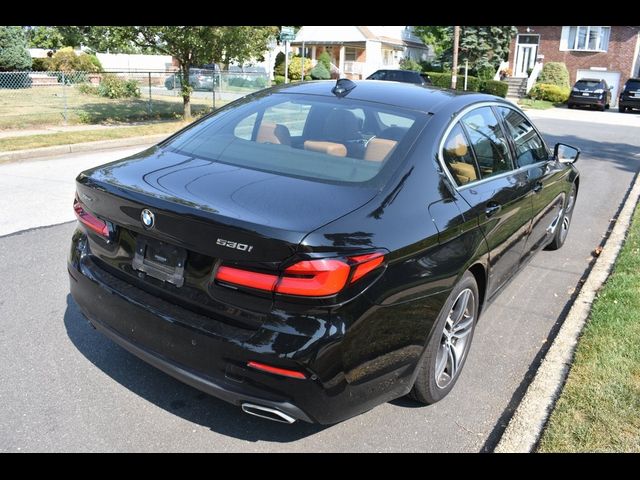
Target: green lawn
[537,104]
[599,408]
[64,138]
[44,105]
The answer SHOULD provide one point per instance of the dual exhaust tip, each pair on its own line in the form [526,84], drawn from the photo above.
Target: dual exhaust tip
[268,413]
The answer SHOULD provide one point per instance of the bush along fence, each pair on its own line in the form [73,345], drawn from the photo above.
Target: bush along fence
[39,98]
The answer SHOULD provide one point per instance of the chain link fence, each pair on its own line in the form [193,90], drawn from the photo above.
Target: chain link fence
[30,99]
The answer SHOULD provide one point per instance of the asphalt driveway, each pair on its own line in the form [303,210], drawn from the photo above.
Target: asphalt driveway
[64,387]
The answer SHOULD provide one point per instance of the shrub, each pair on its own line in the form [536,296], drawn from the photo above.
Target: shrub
[431,67]
[40,64]
[551,93]
[320,72]
[261,82]
[295,67]
[66,60]
[112,86]
[495,87]
[409,64]
[278,79]
[279,64]
[325,59]
[87,89]
[486,72]
[554,73]
[14,54]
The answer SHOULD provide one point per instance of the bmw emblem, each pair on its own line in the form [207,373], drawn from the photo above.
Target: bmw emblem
[148,218]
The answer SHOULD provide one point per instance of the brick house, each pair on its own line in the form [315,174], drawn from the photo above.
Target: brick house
[609,52]
[356,52]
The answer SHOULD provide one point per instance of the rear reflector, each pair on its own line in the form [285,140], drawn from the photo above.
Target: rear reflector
[90,221]
[277,371]
[307,278]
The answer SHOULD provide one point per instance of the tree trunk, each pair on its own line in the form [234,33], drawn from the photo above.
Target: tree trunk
[186,99]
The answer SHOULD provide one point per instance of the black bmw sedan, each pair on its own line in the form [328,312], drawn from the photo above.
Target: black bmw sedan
[313,250]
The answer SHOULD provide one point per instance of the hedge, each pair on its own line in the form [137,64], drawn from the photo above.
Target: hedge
[474,84]
[554,73]
[551,93]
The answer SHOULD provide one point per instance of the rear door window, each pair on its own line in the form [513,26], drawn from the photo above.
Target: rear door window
[458,157]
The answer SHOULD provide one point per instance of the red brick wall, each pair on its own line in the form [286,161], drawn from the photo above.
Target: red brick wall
[618,58]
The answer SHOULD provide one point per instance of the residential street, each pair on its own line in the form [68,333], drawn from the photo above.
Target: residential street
[67,388]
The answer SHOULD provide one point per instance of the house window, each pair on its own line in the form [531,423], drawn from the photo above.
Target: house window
[350,54]
[595,39]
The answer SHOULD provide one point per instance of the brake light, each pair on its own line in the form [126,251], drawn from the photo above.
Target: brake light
[314,278]
[246,278]
[307,278]
[276,370]
[90,221]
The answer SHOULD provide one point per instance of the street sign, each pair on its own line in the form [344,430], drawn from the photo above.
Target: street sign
[287,34]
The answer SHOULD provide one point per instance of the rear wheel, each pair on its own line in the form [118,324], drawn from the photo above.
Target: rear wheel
[562,229]
[447,350]
[570,105]
[622,109]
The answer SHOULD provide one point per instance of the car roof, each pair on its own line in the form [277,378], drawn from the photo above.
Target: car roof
[590,80]
[633,79]
[405,95]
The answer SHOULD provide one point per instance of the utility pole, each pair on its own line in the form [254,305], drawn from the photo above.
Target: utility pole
[456,41]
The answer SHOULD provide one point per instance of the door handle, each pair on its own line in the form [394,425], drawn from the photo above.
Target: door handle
[492,208]
[537,187]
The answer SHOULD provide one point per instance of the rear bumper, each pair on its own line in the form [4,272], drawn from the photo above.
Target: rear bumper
[213,358]
[629,102]
[579,100]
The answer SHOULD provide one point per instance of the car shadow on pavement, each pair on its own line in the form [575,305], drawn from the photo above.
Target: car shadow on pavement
[620,154]
[170,394]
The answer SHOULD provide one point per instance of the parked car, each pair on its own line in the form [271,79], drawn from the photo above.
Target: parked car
[316,249]
[591,92]
[406,76]
[630,95]
[199,79]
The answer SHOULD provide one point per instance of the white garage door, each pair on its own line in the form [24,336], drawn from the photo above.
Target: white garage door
[612,79]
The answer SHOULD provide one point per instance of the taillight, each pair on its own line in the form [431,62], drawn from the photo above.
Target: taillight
[307,278]
[90,221]
[314,278]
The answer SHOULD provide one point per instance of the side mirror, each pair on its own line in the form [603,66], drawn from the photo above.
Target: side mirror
[564,153]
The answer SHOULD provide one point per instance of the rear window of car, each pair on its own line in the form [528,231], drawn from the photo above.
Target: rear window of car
[588,84]
[314,137]
[632,85]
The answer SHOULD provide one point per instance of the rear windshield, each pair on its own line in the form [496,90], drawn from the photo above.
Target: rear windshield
[632,85]
[319,138]
[591,84]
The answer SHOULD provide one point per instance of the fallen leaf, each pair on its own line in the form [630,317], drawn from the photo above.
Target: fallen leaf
[597,251]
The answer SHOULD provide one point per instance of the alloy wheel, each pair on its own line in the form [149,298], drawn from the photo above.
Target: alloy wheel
[454,342]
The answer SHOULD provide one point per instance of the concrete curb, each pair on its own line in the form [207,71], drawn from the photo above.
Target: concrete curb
[525,427]
[39,153]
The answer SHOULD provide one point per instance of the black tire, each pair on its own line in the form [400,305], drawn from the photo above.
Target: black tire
[427,389]
[570,105]
[622,109]
[602,108]
[562,229]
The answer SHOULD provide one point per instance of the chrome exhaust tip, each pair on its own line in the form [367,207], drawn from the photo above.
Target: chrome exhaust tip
[268,413]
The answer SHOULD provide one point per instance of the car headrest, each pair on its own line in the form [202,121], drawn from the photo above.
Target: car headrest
[378,149]
[329,148]
[341,125]
[273,133]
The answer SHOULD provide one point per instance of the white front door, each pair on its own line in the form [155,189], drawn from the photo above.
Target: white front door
[525,58]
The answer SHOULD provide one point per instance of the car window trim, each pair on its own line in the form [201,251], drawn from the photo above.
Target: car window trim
[455,119]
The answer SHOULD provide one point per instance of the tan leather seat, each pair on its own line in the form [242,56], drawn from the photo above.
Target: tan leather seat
[465,172]
[457,147]
[273,133]
[378,149]
[329,148]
